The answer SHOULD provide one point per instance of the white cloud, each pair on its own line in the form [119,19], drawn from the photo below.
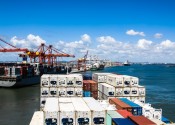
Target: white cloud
[107,47]
[158,35]
[167,44]
[86,38]
[133,33]
[106,39]
[31,42]
[144,44]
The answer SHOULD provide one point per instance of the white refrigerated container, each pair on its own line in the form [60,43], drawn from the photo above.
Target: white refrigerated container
[83,113]
[100,77]
[67,113]
[51,111]
[98,113]
[45,82]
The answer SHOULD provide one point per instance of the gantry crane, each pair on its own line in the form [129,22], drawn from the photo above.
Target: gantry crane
[44,54]
[13,49]
[82,61]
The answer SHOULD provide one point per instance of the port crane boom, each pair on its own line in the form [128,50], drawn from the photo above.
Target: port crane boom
[43,54]
[13,49]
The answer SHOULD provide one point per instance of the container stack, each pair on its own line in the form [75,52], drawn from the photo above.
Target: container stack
[90,89]
[62,103]
[113,85]
[60,86]
[150,112]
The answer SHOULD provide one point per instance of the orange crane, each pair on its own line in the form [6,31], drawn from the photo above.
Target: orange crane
[13,49]
[82,61]
[44,54]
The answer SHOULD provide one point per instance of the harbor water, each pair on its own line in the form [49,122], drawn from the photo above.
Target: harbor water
[17,105]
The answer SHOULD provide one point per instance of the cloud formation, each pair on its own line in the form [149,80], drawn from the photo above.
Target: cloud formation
[31,42]
[86,38]
[158,35]
[107,47]
[133,33]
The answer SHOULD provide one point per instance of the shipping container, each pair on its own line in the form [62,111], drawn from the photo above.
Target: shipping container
[67,113]
[126,91]
[122,121]
[70,80]
[62,81]
[142,99]
[70,91]
[53,80]
[62,92]
[126,80]
[86,94]
[102,96]
[134,81]
[136,109]
[119,91]
[53,92]
[51,111]
[147,110]
[94,94]
[115,80]
[134,98]
[98,113]
[78,91]
[110,115]
[45,82]
[134,91]
[106,105]
[142,91]
[141,120]
[78,80]
[93,85]
[120,104]
[100,77]
[124,113]
[37,118]
[87,77]
[157,114]
[107,89]
[44,92]
[83,113]
[86,85]
[64,100]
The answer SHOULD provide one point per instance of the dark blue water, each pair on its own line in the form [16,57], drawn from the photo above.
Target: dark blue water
[18,105]
[159,81]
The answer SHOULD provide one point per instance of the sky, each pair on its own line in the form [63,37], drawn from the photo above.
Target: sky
[116,30]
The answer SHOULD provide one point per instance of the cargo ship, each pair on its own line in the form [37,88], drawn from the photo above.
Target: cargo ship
[106,99]
[20,75]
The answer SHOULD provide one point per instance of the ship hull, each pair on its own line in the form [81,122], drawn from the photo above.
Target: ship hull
[20,82]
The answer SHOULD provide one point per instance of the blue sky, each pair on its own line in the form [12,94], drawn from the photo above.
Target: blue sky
[137,30]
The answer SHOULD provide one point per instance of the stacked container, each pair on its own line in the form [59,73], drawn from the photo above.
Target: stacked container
[90,89]
[98,113]
[141,120]
[51,111]
[83,113]
[122,86]
[60,86]
[122,121]
[67,113]
[136,109]
[111,115]
[149,111]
